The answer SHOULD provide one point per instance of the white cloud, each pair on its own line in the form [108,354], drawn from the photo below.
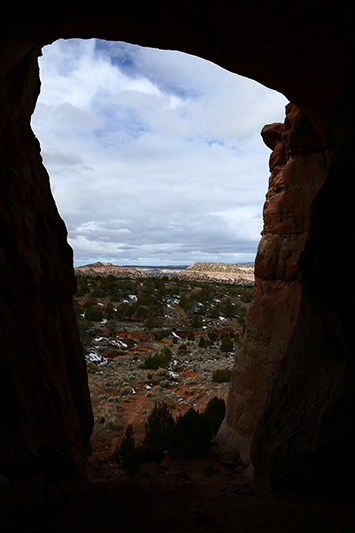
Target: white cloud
[154,156]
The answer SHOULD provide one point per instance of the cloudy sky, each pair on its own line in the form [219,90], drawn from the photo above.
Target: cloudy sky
[155,157]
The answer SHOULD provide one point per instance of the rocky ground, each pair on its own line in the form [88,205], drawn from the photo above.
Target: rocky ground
[212,493]
[202,495]
[123,392]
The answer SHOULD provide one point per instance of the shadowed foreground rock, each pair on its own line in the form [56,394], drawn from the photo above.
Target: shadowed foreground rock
[302,316]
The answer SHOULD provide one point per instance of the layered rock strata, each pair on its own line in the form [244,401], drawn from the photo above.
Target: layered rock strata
[299,164]
[232,273]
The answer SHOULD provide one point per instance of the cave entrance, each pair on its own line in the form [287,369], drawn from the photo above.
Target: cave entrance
[155,157]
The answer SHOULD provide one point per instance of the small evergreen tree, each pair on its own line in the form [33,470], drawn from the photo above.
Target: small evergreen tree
[227,344]
[126,454]
[191,437]
[201,342]
[159,427]
[214,413]
[158,360]
[221,375]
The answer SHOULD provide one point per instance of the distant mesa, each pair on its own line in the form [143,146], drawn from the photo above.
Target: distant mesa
[107,268]
[203,271]
[221,271]
[222,267]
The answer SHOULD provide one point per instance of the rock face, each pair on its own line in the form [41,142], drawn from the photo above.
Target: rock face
[305,434]
[299,165]
[43,384]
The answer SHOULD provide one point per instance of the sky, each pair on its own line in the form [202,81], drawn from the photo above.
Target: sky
[155,157]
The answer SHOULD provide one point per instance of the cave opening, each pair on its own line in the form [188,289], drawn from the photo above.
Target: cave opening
[315,72]
[155,157]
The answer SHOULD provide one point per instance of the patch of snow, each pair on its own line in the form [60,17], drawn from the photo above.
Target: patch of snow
[93,357]
[120,343]
[222,318]
[99,303]
[132,297]
[148,387]
[175,335]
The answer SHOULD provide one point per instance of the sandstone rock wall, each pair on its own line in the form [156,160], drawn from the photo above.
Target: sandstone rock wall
[44,396]
[305,435]
[306,50]
[299,165]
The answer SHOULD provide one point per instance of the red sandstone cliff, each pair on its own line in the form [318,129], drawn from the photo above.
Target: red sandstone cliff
[299,165]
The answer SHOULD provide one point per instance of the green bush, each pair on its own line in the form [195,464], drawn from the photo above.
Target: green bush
[191,436]
[182,347]
[160,360]
[159,427]
[222,375]
[246,294]
[241,316]
[214,413]
[83,289]
[163,334]
[213,336]
[109,311]
[152,322]
[196,321]
[130,344]
[227,344]
[94,314]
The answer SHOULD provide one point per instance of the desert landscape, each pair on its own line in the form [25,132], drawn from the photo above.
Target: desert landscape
[129,321]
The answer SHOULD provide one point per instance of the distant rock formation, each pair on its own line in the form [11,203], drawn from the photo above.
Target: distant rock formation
[220,267]
[219,271]
[107,268]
